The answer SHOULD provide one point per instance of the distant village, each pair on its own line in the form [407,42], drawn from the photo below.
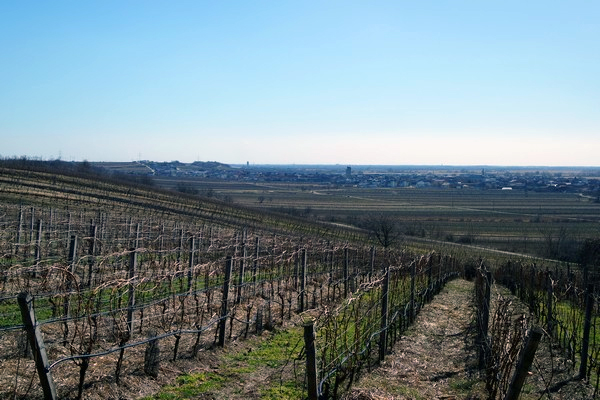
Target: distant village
[583,180]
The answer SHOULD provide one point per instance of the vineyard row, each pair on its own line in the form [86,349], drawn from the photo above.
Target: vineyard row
[99,286]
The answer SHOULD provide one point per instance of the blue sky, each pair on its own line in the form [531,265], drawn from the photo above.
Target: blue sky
[305,82]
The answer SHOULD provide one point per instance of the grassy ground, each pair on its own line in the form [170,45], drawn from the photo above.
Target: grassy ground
[258,368]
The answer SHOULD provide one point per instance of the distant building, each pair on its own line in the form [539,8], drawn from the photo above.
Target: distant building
[348,172]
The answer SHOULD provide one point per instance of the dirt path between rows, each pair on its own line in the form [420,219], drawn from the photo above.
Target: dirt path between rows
[434,358]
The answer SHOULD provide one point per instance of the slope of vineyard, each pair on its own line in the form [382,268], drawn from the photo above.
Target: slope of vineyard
[111,289]
[37,184]
[104,271]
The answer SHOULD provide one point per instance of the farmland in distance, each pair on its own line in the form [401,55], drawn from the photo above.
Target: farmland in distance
[542,224]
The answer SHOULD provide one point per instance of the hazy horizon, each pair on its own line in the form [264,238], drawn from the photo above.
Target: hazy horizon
[354,165]
[315,83]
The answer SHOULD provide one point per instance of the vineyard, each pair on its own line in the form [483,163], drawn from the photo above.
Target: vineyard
[104,286]
[107,274]
[563,302]
[101,281]
[39,186]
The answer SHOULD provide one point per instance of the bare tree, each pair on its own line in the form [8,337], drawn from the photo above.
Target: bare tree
[589,252]
[384,228]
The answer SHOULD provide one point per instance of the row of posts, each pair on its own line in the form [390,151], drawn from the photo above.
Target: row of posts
[35,338]
[36,341]
[483,297]
[551,323]
[526,355]
[309,333]
[483,300]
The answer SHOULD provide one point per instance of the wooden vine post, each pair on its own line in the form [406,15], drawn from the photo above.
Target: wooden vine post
[38,246]
[92,252]
[31,229]
[532,286]
[36,342]
[180,247]
[384,314]
[224,310]
[152,356]
[303,281]
[430,283]
[585,342]
[413,274]
[72,262]
[240,285]
[346,272]
[131,277]
[19,231]
[296,267]
[131,289]
[483,294]
[190,274]
[525,360]
[255,265]
[372,263]
[549,302]
[69,287]
[311,361]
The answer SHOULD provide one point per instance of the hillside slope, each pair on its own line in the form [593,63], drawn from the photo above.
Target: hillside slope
[46,184]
